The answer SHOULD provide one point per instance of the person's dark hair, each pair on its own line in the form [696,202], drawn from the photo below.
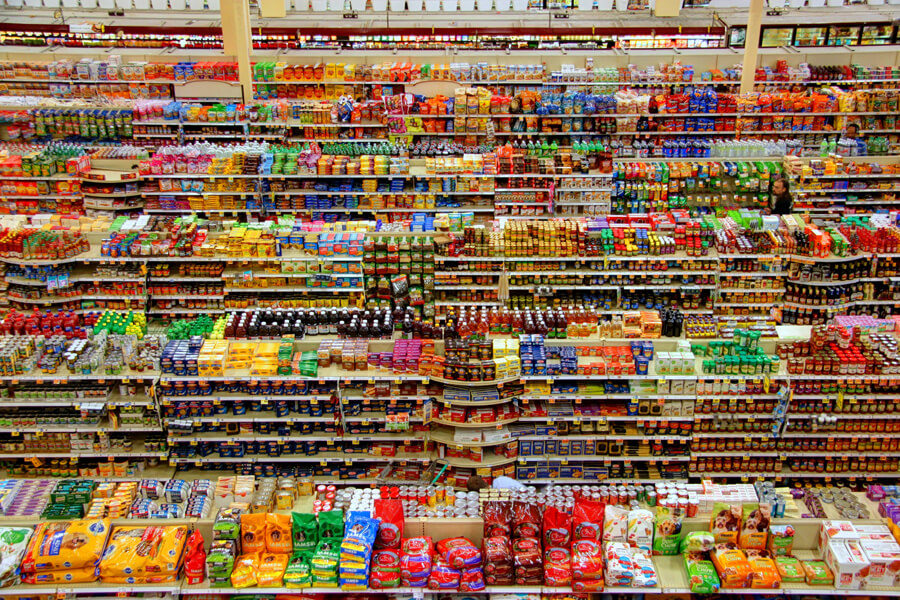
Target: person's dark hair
[854,126]
[475,483]
[784,182]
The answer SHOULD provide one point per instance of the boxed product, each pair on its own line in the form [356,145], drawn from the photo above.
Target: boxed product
[848,562]
[884,560]
[835,530]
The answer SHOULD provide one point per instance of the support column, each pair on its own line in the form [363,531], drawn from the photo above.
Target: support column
[751,45]
[237,40]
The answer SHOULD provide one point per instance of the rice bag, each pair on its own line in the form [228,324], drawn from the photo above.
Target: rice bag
[13,543]
[70,545]
[615,524]
[640,529]
[619,566]
[253,533]
[278,534]
[587,560]
[459,552]
[497,515]
[389,514]
[304,532]
[526,520]
[557,528]
[558,567]
[271,569]
[587,520]
[725,522]
[245,569]
[645,574]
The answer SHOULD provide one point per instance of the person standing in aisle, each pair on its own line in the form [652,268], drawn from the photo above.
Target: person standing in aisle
[781,202]
[851,132]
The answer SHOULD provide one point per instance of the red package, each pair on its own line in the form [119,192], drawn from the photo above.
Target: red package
[497,516]
[587,585]
[527,552]
[415,558]
[386,560]
[526,520]
[390,523]
[558,567]
[459,552]
[499,579]
[443,576]
[382,580]
[587,520]
[530,572]
[471,580]
[557,528]
[587,560]
[194,558]
[501,569]
[494,551]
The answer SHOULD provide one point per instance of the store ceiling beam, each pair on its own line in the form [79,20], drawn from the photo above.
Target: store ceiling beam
[751,46]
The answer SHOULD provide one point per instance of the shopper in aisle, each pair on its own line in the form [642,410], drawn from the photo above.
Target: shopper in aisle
[851,131]
[476,482]
[781,202]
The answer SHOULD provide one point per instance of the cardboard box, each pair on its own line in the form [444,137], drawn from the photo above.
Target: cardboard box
[848,562]
[835,530]
[884,560]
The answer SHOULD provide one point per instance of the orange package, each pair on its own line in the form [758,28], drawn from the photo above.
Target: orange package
[763,572]
[278,533]
[732,565]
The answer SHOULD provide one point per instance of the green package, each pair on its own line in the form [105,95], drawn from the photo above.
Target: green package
[817,573]
[790,569]
[298,572]
[331,524]
[702,576]
[667,531]
[304,531]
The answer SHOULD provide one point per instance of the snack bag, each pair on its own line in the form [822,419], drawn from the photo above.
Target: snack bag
[619,566]
[701,575]
[298,572]
[331,524]
[390,523]
[640,529]
[666,530]
[459,553]
[245,568]
[69,545]
[587,520]
[253,533]
[790,569]
[698,541]
[781,540]
[732,565]
[497,515]
[763,573]
[526,520]
[755,526]
[817,573]
[557,528]
[615,524]
[278,534]
[271,569]
[304,532]
[194,558]
[725,522]
[13,543]
[587,561]
[558,567]
[645,574]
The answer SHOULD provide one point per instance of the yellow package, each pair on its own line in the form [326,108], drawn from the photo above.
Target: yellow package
[245,571]
[278,534]
[66,545]
[85,575]
[271,569]
[143,579]
[139,551]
